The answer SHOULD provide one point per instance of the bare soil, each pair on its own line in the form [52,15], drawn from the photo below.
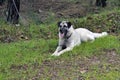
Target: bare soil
[59,8]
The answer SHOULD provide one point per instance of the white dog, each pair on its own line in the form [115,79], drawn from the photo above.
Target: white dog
[70,37]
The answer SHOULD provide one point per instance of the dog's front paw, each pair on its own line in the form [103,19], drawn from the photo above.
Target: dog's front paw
[55,54]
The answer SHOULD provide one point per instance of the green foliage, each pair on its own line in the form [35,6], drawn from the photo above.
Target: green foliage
[101,22]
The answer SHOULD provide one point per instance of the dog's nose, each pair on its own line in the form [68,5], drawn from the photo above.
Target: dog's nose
[61,31]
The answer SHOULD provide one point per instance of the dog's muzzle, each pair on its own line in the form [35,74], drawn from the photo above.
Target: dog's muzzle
[63,32]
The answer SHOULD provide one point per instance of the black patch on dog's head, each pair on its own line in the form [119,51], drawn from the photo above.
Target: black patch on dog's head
[69,24]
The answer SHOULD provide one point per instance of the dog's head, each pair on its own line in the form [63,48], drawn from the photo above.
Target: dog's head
[64,28]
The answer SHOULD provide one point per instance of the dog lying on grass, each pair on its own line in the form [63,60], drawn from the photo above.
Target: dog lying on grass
[70,37]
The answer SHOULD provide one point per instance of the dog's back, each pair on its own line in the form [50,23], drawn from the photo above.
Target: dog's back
[86,34]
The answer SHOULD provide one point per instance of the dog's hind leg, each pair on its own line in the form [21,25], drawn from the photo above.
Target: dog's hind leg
[91,38]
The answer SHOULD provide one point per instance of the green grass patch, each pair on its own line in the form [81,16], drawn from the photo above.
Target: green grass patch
[16,55]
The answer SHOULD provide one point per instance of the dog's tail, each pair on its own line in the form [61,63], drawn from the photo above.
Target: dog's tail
[97,35]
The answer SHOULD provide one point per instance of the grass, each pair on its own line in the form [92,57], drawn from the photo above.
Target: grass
[27,53]
[113,75]
[20,53]
[31,59]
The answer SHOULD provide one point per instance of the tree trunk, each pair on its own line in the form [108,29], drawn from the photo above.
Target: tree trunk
[101,3]
[13,8]
[1,2]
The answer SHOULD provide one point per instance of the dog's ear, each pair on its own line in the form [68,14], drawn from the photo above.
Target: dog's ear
[59,23]
[69,24]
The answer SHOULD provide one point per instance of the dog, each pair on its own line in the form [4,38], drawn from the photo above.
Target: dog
[70,37]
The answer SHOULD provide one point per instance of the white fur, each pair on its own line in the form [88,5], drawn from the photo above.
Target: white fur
[78,35]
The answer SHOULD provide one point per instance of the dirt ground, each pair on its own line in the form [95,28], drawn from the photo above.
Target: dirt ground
[61,8]
[57,8]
